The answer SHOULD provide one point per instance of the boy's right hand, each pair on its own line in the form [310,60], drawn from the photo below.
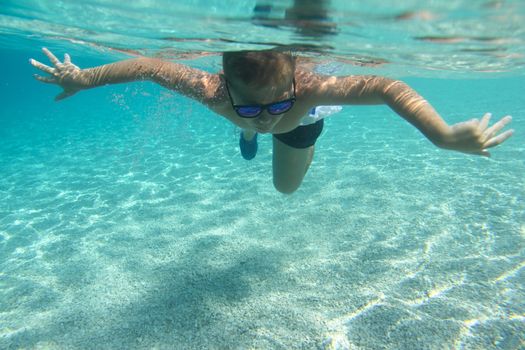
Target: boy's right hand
[64,74]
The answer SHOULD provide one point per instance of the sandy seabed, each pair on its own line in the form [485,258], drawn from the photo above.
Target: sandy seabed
[175,242]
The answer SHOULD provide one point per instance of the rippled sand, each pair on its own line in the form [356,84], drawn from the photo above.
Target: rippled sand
[157,234]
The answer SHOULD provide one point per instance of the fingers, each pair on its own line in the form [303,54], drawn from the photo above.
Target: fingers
[498,139]
[483,153]
[51,57]
[48,80]
[41,66]
[67,59]
[484,122]
[476,136]
[494,129]
[63,95]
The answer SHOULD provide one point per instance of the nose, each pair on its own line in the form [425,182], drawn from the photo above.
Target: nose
[265,119]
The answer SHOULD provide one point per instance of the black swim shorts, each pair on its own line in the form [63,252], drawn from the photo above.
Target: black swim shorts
[303,136]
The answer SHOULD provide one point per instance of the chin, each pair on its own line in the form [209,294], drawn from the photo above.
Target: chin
[263,130]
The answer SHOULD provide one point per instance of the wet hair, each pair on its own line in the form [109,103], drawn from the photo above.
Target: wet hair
[258,67]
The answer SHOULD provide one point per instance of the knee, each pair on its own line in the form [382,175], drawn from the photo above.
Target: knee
[285,187]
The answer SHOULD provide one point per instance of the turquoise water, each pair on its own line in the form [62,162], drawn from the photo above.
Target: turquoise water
[128,218]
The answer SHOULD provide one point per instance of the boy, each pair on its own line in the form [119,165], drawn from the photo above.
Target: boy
[264,92]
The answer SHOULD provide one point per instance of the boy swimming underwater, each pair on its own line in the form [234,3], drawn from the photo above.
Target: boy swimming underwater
[266,92]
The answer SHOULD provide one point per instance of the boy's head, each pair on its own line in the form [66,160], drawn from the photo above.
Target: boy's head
[258,68]
[259,78]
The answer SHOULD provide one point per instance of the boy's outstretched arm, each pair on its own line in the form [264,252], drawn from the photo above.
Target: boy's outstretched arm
[188,81]
[474,136]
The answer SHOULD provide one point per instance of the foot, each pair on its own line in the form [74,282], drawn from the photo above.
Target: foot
[248,147]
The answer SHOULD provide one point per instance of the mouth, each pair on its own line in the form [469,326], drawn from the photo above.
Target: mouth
[263,129]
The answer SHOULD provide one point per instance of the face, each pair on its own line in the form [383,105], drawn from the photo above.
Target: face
[265,96]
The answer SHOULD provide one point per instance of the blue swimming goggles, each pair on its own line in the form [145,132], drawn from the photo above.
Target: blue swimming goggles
[253,111]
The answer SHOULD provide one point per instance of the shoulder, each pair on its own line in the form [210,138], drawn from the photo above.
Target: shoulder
[331,89]
[214,89]
[310,84]
[305,80]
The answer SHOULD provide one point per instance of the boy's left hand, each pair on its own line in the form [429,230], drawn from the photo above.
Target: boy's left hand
[475,136]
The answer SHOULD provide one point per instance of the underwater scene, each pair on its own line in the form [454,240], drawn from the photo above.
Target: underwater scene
[129,219]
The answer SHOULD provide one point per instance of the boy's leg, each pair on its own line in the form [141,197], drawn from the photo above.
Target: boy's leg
[290,165]
[248,135]
[248,144]
[292,155]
